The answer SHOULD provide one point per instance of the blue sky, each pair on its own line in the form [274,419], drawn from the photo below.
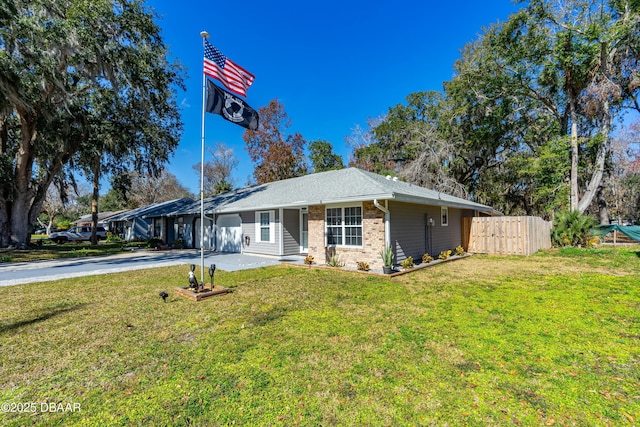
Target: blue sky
[332,64]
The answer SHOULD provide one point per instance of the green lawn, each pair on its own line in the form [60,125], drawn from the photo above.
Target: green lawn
[49,250]
[551,339]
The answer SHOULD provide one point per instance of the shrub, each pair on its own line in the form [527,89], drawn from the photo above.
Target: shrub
[363,266]
[426,258]
[152,243]
[309,260]
[571,228]
[387,257]
[445,254]
[335,261]
[112,238]
[458,251]
[407,262]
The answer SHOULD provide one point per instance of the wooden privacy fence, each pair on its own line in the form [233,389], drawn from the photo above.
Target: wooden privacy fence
[506,235]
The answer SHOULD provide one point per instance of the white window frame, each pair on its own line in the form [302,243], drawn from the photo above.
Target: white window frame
[444,216]
[272,237]
[343,226]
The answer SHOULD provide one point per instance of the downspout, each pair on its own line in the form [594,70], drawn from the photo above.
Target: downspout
[387,218]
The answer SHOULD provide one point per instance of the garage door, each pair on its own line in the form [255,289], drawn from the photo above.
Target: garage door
[229,237]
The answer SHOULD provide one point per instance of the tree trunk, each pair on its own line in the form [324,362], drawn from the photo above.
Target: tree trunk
[94,203]
[574,153]
[19,207]
[603,148]
[603,209]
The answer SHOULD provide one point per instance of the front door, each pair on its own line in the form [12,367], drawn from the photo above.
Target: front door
[304,232]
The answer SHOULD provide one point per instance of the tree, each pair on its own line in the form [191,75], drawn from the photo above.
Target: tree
[145,189]
[275,154]
[583,67]
[218,171]
[60,62]
[323,158]
[358,141]
[548,83]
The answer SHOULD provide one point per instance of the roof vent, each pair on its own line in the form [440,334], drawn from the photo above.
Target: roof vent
[388,176]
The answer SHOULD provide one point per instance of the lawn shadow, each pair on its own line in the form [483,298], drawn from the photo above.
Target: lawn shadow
[43,317]
[264,318]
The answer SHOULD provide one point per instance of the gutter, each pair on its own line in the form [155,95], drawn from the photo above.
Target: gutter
[387,220]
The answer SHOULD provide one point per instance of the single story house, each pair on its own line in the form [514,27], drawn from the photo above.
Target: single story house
[87,220]
[350,213]
[148,222]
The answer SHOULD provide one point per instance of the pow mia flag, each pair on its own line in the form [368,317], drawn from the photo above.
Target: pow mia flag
[230,107]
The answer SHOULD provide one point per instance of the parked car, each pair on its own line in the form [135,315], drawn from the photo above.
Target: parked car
[44,230]
[77,234]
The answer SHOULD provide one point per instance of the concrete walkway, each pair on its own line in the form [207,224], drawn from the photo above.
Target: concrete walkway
[42,271]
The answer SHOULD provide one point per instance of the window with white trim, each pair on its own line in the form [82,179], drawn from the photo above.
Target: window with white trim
[444,216]
[264,226]
[343,226]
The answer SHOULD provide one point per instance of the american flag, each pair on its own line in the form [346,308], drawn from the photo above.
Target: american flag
[232,76]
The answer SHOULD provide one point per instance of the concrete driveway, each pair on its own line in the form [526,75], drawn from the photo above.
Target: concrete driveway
[41,271]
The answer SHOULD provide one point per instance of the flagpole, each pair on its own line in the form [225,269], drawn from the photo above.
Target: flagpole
[204,36]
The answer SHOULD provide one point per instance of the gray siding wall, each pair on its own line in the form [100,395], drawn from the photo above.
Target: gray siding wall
[291,223]
[187,231]
[410,235]
[249,229]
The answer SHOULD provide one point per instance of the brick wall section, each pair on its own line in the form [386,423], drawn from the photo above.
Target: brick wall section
[372,238]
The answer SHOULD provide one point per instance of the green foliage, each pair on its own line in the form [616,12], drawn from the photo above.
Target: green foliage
[323,158]
[426,258]
[153,242]
[64,225]
[335,261]
[387,257]
[92,85]
[544,340]
[445,254]
[459,250]
[112,238]
[571,228]
[363,266]
[407,262]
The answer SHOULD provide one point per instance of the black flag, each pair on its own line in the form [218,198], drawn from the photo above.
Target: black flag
[230,107]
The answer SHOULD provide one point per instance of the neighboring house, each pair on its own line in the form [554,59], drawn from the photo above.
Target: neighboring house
[349,212]
[87,220]
[148,222]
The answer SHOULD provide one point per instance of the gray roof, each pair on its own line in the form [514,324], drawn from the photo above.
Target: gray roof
[155,210]
[337,186]
[102,216]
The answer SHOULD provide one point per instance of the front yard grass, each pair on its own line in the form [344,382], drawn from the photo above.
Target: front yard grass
[551,339]
[48,250]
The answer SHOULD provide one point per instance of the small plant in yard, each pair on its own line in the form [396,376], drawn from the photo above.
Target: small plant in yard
[363,266]
[426,258]
[571,228]
[445,254]
[335,261]
[407,263]
[112,238]
[153,242]
[309,260]
[387,257]
[459,250]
